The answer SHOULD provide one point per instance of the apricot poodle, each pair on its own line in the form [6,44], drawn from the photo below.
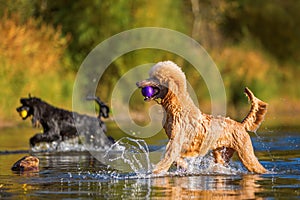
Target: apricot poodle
[192,133]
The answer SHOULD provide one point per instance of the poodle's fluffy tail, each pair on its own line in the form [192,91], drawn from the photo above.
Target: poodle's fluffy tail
[257,112]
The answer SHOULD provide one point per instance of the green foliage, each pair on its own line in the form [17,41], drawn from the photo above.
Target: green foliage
[248,65]
[43,43]
[24,9]
[275,23]
[93,21]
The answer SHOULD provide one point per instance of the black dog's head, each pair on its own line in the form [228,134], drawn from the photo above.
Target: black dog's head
[28,106]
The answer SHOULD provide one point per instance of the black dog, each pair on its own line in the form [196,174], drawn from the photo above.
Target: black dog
[59,124]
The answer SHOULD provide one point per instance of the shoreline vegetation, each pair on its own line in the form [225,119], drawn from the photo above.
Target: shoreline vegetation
[254,44]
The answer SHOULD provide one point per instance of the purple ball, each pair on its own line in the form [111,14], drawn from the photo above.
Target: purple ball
[148,91]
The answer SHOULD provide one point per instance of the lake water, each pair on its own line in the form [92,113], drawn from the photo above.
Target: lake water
[76,174]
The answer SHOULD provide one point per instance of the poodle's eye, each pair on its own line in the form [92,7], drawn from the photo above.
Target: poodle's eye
[148,91]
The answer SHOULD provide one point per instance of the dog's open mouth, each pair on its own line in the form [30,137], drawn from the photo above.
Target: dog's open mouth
[23,111]
[149,92]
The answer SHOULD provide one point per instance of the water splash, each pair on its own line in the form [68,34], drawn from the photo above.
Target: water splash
[206,165]
[267,148]
[129,155]
[139,169]
[72,144]
[132,159]
[77,144]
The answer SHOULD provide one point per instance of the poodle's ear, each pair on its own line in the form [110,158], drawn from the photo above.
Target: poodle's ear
[173,86]
[177,86]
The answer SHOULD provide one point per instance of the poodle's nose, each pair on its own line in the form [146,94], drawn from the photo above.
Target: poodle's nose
[139,84]
[144,83]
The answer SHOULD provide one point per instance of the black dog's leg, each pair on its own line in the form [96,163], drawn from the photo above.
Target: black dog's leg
[42,137]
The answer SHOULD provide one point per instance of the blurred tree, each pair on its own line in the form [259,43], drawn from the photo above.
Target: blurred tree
[91,22]
[88,22]
[25,9]
[207,18]
[274,23]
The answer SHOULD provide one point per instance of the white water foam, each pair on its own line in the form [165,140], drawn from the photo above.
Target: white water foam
[129,155]
[62,146]
[132,159]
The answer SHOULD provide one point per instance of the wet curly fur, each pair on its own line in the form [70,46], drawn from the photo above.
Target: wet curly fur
[59,124]
[192,133]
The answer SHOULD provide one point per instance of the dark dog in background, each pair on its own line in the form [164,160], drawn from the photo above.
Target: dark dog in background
[59,124]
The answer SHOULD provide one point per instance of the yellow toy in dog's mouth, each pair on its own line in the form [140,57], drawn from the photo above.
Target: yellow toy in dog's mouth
[23,113]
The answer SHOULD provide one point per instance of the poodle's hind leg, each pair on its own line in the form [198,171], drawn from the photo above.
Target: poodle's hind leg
[223,155]
[246,154]
[181,163]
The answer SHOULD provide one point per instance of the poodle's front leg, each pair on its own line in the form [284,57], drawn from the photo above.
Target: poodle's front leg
[181,163]
[172,153]
[169,157]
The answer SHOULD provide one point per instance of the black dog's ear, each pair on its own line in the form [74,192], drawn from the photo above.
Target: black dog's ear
[103,109]
[29,95]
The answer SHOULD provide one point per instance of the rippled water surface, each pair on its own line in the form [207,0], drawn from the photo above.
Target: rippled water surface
[77,174]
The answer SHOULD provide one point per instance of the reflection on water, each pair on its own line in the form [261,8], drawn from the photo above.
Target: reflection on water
[77,174]
[210,187]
